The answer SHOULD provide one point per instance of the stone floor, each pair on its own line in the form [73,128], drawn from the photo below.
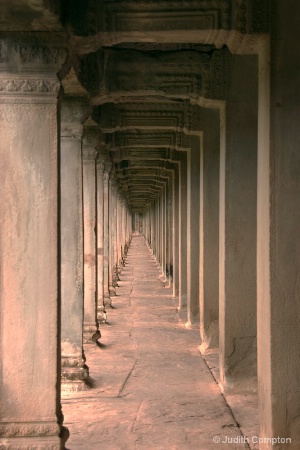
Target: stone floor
[151,388]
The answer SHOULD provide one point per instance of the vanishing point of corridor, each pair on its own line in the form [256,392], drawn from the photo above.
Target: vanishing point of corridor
[151,387]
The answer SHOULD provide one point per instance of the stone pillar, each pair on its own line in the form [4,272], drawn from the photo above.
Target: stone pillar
[238,192]
[163,230]
[30,410]
[74,370]
[209,230]
[106,173]
[116,226]
[101,313]
[183,232]
[111,234]
[121,224]
[91,325]
[193,213]
[278,246]
[170,228]
[176,234]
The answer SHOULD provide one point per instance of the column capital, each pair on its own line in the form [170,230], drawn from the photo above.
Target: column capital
[90,141]
[89,154]
[29,64]
[107,170]
[91,134]
[74,111]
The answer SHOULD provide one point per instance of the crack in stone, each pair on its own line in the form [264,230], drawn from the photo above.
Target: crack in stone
[136,416]
[127,378]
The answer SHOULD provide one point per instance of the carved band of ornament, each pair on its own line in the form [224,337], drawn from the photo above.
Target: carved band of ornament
[35,429]
[29,86]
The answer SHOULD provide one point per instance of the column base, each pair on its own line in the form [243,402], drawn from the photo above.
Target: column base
[101,314]
[107,300]
[29,435]
[91,333]
[112,291]
[74,372]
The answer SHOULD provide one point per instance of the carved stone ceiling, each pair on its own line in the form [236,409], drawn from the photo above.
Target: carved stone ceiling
[147,67]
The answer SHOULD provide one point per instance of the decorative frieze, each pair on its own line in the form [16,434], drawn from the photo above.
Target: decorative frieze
[28,86]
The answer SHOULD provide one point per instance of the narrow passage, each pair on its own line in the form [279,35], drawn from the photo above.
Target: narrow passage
[151,388]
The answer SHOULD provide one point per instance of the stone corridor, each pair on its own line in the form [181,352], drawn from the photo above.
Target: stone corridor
[149,223]
[151,387]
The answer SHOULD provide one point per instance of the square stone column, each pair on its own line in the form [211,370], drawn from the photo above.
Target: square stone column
[209,230]
[278,219]
[106,174]
[176,236]
[193,213]
[111,234]
[183,232]
[238,201]
[91,325]
[30,410]
[101,313]
[74,370]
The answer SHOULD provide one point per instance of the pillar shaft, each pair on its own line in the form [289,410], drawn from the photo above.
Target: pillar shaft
[238,192]
[209,230]
[74,370]
[91,326]
[176,234]
[193,213]
[101,314]
[30,411]
[183,233]
[278,221]
[106,298]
